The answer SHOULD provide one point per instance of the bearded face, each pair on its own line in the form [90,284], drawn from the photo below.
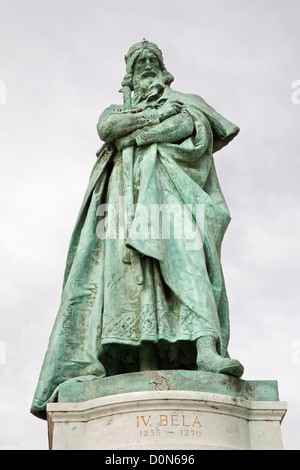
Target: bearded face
[146,72]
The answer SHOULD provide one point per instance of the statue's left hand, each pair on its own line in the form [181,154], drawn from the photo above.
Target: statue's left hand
[169,108]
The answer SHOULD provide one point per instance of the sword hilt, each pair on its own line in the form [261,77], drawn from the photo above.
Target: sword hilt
[126,97]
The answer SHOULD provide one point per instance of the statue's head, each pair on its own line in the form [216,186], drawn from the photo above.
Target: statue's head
[144,61]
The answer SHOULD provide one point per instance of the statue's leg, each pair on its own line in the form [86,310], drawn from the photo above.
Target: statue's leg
[147,357]
[209,360]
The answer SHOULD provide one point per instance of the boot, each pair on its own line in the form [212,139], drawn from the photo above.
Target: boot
[209,360]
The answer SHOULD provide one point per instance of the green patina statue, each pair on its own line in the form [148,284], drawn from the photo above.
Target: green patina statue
[143,286]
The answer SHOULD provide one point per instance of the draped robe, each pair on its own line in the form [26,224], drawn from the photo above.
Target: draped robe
[104,315]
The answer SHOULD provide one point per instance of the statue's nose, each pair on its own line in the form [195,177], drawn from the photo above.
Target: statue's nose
[148,65]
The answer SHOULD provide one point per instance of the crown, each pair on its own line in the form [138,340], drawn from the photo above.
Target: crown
[136,48]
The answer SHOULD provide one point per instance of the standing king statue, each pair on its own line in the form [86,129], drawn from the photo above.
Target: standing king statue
[143,286]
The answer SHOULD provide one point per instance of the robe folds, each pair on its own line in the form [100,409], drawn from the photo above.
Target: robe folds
[104,315]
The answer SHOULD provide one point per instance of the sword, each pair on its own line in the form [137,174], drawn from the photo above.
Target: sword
[130,256]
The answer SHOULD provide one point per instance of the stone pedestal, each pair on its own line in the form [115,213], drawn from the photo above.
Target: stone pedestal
[162,410]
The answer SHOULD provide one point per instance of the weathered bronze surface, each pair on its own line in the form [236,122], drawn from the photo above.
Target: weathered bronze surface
[143,287]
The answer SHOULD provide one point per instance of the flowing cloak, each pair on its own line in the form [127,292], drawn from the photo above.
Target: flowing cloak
[101,304]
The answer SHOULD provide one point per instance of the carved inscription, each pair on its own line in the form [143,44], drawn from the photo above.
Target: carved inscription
[159,424]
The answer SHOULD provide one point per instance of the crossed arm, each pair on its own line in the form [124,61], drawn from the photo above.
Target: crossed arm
[167,124]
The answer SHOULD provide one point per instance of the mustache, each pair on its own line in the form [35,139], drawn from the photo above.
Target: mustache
[148,73]
[143,84]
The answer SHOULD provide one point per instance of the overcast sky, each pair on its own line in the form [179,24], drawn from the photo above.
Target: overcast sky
[62,62]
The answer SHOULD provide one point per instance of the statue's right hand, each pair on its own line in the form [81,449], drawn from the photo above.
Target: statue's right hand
[169,108]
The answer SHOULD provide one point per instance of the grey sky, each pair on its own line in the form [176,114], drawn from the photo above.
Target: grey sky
[62,62]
